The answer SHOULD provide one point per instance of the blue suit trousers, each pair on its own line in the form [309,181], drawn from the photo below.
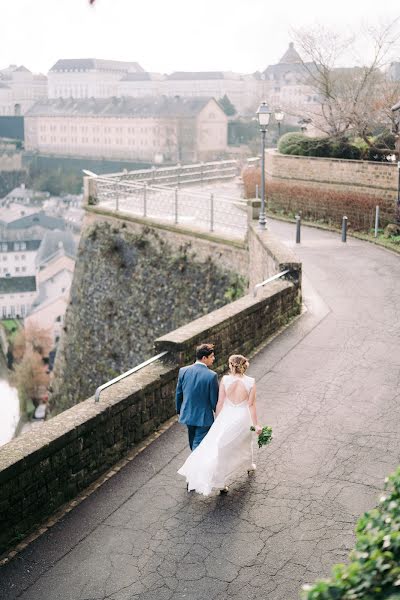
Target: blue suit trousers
[196,434]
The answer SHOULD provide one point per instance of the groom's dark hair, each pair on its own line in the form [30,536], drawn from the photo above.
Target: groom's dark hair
[204,350]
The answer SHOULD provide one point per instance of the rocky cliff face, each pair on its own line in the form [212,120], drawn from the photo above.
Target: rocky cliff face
[128,289]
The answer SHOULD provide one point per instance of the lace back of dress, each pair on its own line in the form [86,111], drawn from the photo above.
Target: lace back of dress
[236,390]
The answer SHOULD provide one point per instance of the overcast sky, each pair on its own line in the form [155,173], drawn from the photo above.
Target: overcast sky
[168,35]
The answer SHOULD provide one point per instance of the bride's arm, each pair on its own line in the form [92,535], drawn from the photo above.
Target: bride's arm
[221,398]
[253,410]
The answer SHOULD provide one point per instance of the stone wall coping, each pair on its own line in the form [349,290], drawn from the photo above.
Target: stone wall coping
[352,161]
[179,229]
[35,445]
[274,248]
[219,318]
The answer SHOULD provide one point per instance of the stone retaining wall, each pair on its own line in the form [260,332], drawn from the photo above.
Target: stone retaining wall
[43,469]
[374,178]
[325,189]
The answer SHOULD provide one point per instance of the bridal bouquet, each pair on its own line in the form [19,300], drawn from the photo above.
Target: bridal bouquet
[265,436]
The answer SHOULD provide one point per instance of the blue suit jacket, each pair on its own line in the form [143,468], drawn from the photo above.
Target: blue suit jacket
[196,395]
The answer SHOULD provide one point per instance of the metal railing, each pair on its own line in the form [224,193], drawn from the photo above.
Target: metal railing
[184,206]
[182,174]
[273,278]
[120,377]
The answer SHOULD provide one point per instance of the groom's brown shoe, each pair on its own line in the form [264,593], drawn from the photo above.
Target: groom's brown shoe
[224,490]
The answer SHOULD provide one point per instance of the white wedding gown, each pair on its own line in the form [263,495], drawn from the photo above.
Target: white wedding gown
[227,448]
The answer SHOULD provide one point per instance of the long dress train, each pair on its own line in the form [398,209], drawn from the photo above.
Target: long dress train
[227,449]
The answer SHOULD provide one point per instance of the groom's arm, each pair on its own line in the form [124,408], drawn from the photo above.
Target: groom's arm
[179,392]
[214,392]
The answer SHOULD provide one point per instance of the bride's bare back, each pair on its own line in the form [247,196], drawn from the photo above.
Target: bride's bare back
[235,390]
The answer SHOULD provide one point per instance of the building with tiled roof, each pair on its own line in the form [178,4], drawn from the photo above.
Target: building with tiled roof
[16,296]
[287,85]
[147,129]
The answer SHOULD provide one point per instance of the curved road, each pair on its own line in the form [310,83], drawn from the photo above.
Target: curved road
[329,385]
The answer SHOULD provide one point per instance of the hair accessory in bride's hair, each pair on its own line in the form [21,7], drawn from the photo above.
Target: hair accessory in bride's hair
[238,364]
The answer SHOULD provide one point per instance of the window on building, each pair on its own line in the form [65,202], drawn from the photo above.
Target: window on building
[23,269]
[22,310]
[4,257]
[17,269]
[16,257]
[16,246]
[23,256]
[23,245]
[12,311]
[4,247]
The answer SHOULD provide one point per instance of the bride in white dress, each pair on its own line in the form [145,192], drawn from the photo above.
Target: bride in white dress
[227,448]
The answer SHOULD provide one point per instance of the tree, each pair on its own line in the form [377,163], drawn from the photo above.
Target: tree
[38,339]
[351,101]
[227,106]
[31,378]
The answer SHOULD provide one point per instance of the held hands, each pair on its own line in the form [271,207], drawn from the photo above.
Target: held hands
[257,429]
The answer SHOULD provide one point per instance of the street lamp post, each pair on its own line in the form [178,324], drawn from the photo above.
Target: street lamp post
[263,115]
[279,114]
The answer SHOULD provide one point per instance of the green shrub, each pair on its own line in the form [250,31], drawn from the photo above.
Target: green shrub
[301,145]
[291,143]
[374,569]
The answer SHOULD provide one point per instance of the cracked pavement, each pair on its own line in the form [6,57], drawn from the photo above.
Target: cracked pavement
[329,386]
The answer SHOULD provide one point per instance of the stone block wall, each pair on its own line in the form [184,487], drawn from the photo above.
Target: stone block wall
[268,257]
[43,469]
[374,178]
[325,189]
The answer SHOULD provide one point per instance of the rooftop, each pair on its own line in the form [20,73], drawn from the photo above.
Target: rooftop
[94,64]
[125,106]
[15,211]
[15,285]
[53,243]
[203,75]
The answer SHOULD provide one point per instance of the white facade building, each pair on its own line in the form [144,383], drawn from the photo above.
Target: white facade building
[88,77]
[17,258]
[16,296]
[55,263]
[20,89]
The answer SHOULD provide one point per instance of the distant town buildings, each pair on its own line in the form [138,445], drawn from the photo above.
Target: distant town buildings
[16,296]
[285,85]
[150,129]
[88,77]
[20,89]
[55,263]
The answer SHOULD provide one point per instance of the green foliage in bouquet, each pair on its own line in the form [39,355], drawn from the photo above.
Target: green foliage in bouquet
[374,569]
[265,436]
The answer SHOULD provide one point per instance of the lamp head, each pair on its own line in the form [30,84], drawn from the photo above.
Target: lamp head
[279,114]
[263,115]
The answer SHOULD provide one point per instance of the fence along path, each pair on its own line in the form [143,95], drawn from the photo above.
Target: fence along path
[166,196]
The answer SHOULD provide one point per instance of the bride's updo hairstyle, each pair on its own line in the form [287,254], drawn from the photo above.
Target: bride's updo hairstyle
[238,364]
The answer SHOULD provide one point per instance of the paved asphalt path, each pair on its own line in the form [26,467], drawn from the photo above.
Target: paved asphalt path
[329,386]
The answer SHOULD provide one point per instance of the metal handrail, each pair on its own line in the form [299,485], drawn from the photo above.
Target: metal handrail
[160,188]
[277,276]
[137,368]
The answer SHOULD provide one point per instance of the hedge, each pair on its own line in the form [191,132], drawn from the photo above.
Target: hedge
[373,572]
[301,145]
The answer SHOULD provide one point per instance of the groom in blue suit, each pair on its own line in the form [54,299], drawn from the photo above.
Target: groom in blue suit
[197,395]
